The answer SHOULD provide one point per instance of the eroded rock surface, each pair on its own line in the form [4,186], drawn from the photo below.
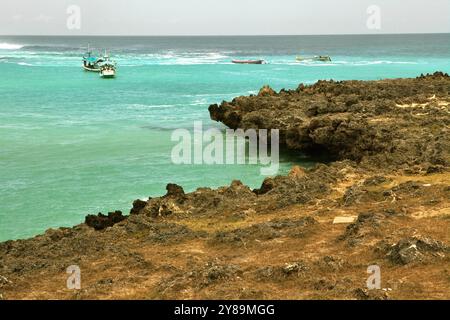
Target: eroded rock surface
[400,121]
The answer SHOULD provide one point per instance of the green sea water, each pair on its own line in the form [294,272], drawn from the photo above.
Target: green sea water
[73,144]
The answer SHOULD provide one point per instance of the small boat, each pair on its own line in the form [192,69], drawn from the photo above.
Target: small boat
[315,58]
[107,72]
[321,58]
[248,61]
[91,62]
[107,67]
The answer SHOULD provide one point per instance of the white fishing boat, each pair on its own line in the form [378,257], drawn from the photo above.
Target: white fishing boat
[107,67]
[107,72]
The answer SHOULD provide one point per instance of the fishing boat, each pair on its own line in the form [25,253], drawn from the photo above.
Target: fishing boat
[321,58]
[107,67]
[315,58]
[91,62]
[248,61]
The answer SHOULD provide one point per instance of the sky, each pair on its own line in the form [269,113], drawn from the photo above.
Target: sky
[223,17]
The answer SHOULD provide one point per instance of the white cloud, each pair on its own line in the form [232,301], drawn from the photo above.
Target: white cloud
[209,17]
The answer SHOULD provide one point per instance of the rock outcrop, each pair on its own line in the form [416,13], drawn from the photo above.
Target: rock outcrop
[398,122]
[101,221]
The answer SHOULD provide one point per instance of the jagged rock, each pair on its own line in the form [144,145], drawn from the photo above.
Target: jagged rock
[415,249]
[169,204]
[324,284]
[370,121]
[293,268]
[435,169]
[330,263]
[410,188]
[353,194]
[203,201]
[169,208]
[4,281]
[101,221]
[366,294]
[138,206]
[281,273]
[267,185]
[265,272]
[297,172]
[174,190]
[215,272]
[365,224]
[266,91]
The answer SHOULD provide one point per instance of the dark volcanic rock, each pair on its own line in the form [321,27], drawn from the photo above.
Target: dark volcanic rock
[101,221]
[138,205]
[174,190]
[203,201]
[267,185]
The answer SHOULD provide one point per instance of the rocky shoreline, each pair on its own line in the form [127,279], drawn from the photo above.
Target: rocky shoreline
[389,121]
[389,183]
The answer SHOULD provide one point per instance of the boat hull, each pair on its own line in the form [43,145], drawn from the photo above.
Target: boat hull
[316,58]
[91,69]
[323,59]
[248,61]
[107,74]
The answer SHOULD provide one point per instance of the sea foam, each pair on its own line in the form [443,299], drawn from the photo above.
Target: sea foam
[10,46]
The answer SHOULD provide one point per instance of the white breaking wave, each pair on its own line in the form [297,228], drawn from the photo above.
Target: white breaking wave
[137,106]
[173,58]
[341,63]
[362,63]
[10,46]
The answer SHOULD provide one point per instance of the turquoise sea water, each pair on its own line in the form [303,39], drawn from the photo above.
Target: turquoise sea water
[72,143]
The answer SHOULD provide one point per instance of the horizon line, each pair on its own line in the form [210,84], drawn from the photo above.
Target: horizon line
[218,35]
